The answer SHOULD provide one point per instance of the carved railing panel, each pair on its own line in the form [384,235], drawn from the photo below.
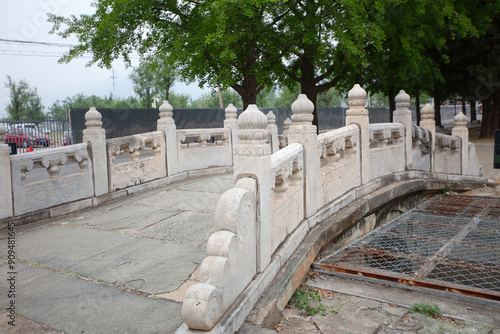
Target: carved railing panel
[448,159]
[387,152]
[136,159]
[287,201]
[204,148]
[47,178]
[421,149]
[339,153]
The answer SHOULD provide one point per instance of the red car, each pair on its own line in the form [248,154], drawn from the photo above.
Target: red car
[27,137]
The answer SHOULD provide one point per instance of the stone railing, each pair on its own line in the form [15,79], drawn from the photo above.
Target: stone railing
[84,175]
[421,149]
[203,148]
[136,159]
[287,193]
[51,177]
[340,162]
[286,205]
[387,153]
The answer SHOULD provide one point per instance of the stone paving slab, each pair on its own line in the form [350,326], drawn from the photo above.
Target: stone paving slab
[148,265]
[186,227]
[75,305]
[183,200]
[128,218]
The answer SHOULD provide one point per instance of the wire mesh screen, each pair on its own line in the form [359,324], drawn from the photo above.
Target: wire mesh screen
[449,240]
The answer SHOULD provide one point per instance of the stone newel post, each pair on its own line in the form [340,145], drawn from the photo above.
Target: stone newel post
[428,123]
[252,158]
[231,122]
[167,125]
[273,131]
[6,179]
[460,130]
[403,115]
[302,131]
[95,136]
[357,114]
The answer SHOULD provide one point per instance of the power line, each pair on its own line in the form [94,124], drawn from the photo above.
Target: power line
[15,41]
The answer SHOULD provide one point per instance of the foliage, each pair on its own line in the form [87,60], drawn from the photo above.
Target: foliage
[302,299]
[429,309]
[211,100]
[215,41]
[80,100]
[25,103]
[153,78]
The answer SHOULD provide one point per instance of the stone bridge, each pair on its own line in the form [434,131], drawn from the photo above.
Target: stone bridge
[291,196]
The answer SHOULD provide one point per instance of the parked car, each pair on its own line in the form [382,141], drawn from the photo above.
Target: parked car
[26,137]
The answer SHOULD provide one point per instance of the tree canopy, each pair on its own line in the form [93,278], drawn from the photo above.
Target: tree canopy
[25,103]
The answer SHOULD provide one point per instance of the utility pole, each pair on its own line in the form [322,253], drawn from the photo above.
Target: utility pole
[113,77]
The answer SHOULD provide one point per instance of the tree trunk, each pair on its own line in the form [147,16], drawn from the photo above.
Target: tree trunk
[473,116]
[392,103]
[437,109]
[491,115]
[417,107]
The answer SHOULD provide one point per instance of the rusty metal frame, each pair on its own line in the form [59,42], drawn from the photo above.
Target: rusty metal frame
[463,213]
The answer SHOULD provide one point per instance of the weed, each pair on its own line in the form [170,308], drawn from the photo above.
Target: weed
[447,189]
[302,299]
[429,309]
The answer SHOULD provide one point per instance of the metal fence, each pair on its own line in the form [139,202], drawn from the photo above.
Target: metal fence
[28,136]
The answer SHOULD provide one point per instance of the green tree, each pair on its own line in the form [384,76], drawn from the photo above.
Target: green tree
[217,42]
[143,80]
[25,103]
[80,100]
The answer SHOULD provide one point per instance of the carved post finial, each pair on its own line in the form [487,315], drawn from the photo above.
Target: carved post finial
[230,113]
[93,119]
[271,118]
[357,98]
[252,125]
[166,113]
[402,100]
[302,110]
[427,112]
[460,120]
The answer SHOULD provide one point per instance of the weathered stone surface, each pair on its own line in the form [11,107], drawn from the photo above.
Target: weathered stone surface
[129,262]
[184,227]
[178,199]
[74,305]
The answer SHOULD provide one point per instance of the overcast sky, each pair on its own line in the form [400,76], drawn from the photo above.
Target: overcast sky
[26,20]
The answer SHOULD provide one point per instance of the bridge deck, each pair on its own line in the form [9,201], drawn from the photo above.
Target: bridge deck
[99,270]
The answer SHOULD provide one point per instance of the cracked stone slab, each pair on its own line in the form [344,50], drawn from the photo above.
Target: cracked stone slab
[129,218]
[217,185]
[186,227]
[183,200]
[74,305]
[151,266]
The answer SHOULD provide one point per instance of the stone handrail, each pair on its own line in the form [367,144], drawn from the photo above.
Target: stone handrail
[446,141]
[331,143]
[382,132]
[57,188]
[196,152]
[109,168]
[146,153]
[420,135]
[284,164]
[202,136]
